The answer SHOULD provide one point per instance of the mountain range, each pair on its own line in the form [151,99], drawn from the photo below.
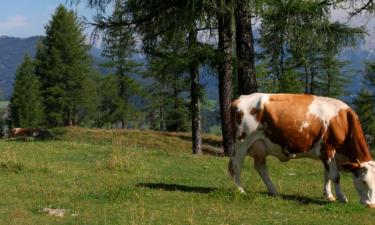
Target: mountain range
[12,50]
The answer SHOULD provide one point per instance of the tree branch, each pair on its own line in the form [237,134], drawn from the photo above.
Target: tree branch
[364,7]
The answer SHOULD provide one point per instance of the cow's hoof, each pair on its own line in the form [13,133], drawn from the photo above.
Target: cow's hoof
[343,199]
[330,198]
[241,190]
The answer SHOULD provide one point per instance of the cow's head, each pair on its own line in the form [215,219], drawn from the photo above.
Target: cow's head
[364,180]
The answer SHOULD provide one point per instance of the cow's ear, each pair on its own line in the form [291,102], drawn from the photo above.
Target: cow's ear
[351,167]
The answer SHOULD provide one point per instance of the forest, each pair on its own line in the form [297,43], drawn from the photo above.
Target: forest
[272,46]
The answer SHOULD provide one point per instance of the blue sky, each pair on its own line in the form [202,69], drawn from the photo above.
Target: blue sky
[25,18]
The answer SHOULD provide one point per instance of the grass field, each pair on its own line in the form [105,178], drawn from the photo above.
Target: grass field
[137,177]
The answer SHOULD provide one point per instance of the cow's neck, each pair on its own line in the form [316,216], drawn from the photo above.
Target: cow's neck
[356,149]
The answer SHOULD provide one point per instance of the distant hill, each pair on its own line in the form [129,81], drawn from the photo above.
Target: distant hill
[12,50]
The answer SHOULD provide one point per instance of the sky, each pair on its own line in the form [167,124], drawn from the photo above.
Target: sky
[25,18]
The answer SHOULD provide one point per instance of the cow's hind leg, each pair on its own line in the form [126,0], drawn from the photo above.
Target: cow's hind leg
[259,152]
[334,175]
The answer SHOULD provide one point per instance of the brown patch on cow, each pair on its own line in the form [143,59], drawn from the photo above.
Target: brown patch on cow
[327,151]
[242,136]
[239,116]
[283,118]
[236,118]
[257,113]
[346,135]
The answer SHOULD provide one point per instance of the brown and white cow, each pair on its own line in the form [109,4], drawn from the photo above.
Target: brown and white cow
[24,132]
[290,126]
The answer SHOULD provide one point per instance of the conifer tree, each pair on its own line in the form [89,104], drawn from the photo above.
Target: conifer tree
[152,20]
[168,68]
[365,108]
[63,65]
[119,47]
[298,37]
[365,103]
[26,103]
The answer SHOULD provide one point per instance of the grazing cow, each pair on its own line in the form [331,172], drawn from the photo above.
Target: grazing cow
[290,126]
[24,132]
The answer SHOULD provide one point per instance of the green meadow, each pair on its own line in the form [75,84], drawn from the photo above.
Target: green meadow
[144,177]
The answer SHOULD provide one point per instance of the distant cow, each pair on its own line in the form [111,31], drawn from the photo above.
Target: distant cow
[24,132]
[290,126]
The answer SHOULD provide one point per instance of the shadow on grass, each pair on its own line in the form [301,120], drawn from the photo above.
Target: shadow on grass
[176,187]
[301,199]
[304,200]
[31,139]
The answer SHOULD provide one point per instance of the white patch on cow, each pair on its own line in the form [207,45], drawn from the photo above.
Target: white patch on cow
[305,124]
[365,183]
[246,104]
[325,108]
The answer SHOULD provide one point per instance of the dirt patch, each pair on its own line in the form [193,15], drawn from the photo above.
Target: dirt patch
[55,212]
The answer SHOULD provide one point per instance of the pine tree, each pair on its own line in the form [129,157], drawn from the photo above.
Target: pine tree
[63,65]
[26,103]
[365,108]
[119,47]
[365,103]
[168,68]
[299,36]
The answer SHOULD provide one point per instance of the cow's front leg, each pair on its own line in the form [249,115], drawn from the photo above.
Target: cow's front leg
[236,162]
[327,186]
[259,152]
[334,175]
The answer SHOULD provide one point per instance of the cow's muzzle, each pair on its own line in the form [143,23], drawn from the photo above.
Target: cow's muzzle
[371,205]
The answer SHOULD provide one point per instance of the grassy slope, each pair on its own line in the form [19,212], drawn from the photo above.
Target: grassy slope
[136,177]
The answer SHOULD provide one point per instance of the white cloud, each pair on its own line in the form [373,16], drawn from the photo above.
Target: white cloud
[13,22]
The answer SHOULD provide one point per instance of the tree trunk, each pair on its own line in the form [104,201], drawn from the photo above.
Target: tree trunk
[195,96]
[161,105]
[306,78]
[225,71]
[312,72]
[246,76]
